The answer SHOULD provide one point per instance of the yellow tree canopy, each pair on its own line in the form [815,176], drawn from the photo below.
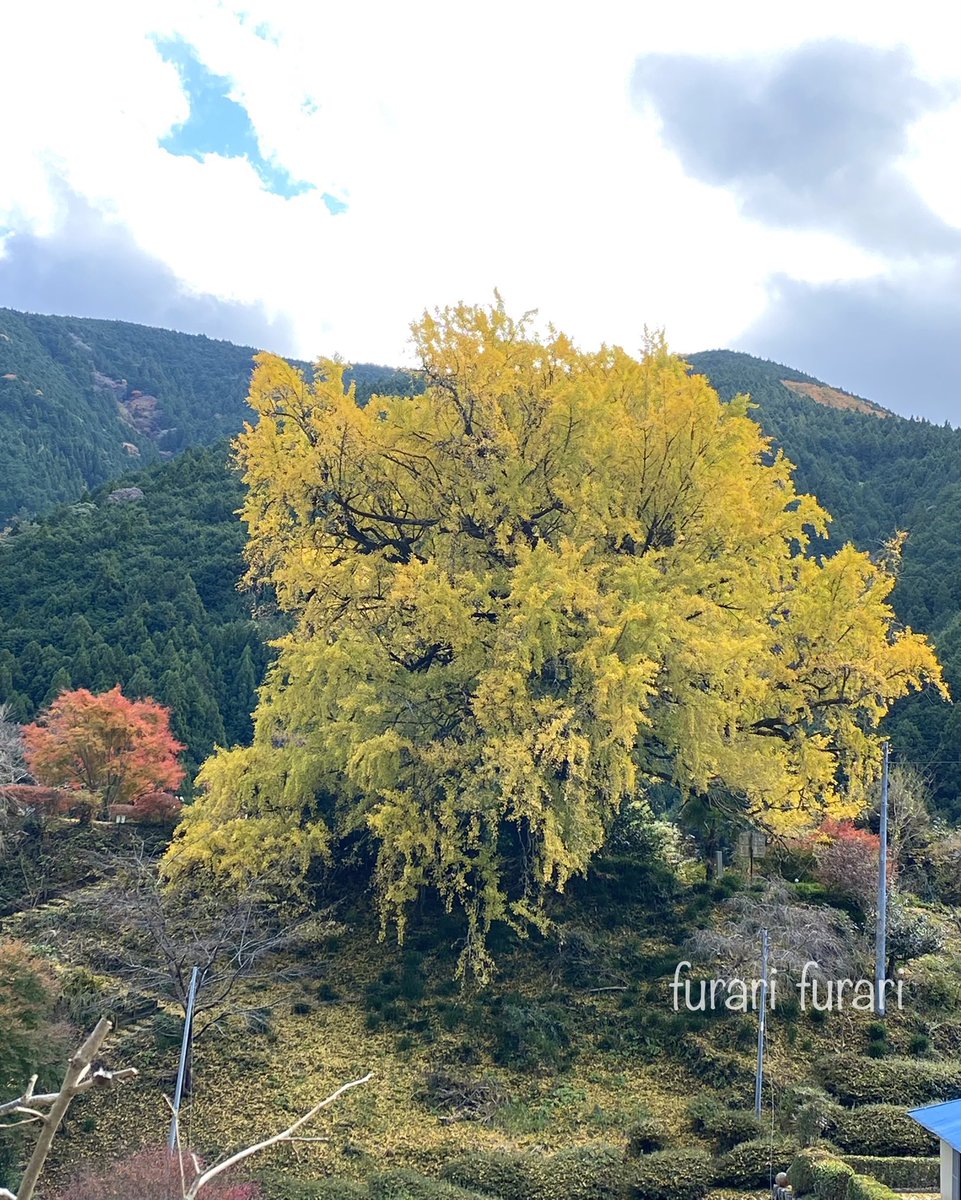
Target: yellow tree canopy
[520,597]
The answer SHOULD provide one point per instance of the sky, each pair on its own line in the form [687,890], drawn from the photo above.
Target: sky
[309,178]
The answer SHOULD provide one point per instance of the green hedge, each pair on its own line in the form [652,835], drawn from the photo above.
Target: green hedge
[670,1175]
[878,1129]
[754,1164]
[856,1080]
[410,1185]
[500,1173]
[863,1187]
[830,1178]
[597,1172]
[280,1187]
[726,1127]
[901,1174]
[801,1171]
[645,1136]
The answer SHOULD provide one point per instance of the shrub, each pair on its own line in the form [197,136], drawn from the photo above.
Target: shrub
[654,841]
[31,1041]
[846,860]
[147,1176]
[157,808]
[831,1179]
[595,1172]
[530,1036]
[500,1173]
[168,1030]
[940,865]
[856,1080]
[901,1174]
[645,1136]
[910,933]
[919,1044]
[670,1175]
[726,1127]
[754,1164]
[863,1187]
[934,983]
[44,801]
[879,1129]
[808,1113]
[410,1185]
[281,1187]
[801,1171]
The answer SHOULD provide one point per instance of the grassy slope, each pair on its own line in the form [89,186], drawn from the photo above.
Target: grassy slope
[360,1004]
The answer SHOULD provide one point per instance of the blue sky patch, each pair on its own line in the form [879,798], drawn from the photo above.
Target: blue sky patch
[266,33]
[217,124]
[334,206]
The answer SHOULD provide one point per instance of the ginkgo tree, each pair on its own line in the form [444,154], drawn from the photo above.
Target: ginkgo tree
[519,598]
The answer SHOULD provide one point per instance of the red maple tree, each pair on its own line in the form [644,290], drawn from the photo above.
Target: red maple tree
[846,859]
[114,748]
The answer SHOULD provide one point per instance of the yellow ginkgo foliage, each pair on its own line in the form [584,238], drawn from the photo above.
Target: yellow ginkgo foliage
[518,599]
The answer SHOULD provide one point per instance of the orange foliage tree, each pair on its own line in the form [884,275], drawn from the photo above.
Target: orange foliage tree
[111,747]
[847,860]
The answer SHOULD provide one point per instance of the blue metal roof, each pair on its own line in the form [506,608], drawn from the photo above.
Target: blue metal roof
[943,1120]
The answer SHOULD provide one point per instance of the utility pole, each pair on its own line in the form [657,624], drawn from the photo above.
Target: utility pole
[881,933]
[184,1054]
[761,1025]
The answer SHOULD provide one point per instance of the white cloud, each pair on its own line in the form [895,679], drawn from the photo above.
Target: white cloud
[477,146]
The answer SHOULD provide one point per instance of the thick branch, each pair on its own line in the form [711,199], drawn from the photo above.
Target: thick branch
[77,1079]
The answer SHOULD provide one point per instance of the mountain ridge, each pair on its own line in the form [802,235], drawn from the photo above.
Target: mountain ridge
[81,396]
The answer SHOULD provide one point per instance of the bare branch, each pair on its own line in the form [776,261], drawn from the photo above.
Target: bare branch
[166,933]
[286,1135]
[76,1080]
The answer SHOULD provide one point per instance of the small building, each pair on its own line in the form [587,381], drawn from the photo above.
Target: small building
[944,1121]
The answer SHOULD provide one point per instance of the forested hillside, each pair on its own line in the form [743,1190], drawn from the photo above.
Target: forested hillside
[80,398]
[876,476]
[141,592]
